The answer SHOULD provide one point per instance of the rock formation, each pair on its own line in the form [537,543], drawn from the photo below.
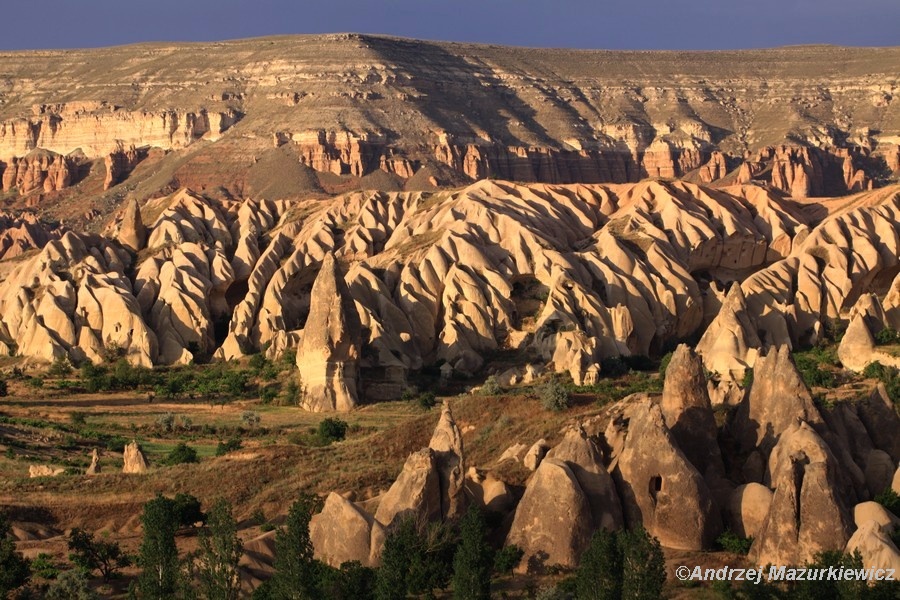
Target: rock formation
[343,532]
[94,467]
[553,521]
[447,444]
[808,514]
[134,459]
[44,471]
[658,485]
[777,398]
[688,413]
[328,356]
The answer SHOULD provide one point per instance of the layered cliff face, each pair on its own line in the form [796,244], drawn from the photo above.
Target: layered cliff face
[809,121]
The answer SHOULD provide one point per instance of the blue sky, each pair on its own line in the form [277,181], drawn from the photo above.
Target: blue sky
[613,24]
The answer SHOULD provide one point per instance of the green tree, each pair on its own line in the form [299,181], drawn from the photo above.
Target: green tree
[643,565]
[599,575]
[158,557]
[14,569]
[351,582]
[296,570]
[414,560]
[220,550]
[180,454]
[91,555]
[473,559]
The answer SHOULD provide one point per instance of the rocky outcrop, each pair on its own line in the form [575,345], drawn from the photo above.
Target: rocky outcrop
[119,164]
[583,457]
[658,485]
[73,298]
[134,459]
[343,532]
[875,546]
[730,344]
[688,413]
[98,129]
[447,444]
[748,508]
[44,471]
[553,521]
[489,493]
[328,356]
[416,492]
[777,398]
[22,232]
[535,454]
[39,170]
[94,467]
[808,514]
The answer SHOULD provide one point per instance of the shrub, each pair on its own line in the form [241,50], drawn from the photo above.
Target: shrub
[875,370]
[553,396]
[268,394]
[180,454]
[187,510]
[427,400]
[506,559]
[78,418]
[812,373]
[44,566]
[14,568]
[70,585]
[614,366]
[166,422]
[491,387]
[230,445]
[331,430]
[732,542]
[887,336]
[258,361]
[890,500]
[747,381]
[664,364]
[250,418]
[60,367]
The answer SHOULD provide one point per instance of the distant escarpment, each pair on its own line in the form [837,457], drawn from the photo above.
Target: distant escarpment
[362,112]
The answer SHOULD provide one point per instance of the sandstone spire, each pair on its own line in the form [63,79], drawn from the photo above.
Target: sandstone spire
[328,357]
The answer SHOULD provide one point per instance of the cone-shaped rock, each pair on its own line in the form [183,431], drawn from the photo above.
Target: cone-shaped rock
[857,346]
[344,532]
[135,461]
[686,407]
[658,485]
[446,441]
[132,233]
[729,344]
[778,397]
[328,356]
[807,514]
[416,491]
[585,460]
[553,522]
